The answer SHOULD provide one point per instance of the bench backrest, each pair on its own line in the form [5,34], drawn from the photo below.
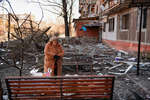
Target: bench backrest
[1,91]
[64,87]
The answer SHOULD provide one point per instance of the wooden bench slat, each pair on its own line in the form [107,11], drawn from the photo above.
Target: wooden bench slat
[58,92]
[61,77]
[75,84]
[57,88]
[86,96]
[56,81]
[37,92]
[34,85]
[37,97]
[90,91]
[86,88]
[39,88]
[89,80]
[34,81]
[86,84]
[57,97]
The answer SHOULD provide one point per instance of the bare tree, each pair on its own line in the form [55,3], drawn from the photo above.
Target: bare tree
[20,34]
[63,8]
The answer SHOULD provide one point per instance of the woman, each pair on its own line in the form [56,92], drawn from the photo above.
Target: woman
[53,57]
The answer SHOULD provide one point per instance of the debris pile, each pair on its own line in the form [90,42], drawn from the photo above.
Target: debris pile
[85,56]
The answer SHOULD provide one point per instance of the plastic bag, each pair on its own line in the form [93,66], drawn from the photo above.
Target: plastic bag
[47,74]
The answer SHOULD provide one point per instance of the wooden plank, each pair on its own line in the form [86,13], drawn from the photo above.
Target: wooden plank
[86,96]
[57,97]
[36,97]
[81,88]
[32,88]
[34,81]
[86,84]
[57,88]
[44,85]
[86,88]
[56,81]
[60,77]
[88,80]
[34,85]
[54,92]
[37,92]
[88,92]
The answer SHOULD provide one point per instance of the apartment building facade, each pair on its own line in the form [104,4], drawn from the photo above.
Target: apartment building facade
[88,23]
[120,24]
[121,29]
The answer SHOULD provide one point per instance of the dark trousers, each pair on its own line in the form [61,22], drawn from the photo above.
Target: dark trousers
[55,71]
[55,68]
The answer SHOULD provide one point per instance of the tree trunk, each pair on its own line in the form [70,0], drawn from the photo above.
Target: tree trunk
[8,34]
[70,15]
[65,18]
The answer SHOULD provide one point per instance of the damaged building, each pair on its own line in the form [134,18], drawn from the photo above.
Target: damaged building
[88,23]
[117,23]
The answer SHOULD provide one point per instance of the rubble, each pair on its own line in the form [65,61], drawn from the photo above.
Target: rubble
[119,59]
[84,57]
[132,59]
[122,52]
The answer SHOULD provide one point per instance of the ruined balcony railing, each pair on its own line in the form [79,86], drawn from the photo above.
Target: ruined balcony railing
[116,5]
[113,3]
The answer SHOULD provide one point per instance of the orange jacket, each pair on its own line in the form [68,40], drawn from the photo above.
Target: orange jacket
[50,51]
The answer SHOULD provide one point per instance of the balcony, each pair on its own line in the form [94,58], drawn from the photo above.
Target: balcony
[114,6]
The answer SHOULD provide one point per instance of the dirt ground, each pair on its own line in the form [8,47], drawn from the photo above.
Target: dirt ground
[92,58]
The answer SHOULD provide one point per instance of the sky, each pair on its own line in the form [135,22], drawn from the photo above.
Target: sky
[25,6]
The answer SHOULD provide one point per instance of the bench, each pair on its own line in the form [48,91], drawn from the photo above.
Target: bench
[60,87]
[1,91]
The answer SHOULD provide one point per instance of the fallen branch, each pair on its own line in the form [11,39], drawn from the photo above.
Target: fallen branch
[6,62]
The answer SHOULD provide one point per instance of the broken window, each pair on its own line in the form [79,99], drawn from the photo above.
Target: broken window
[144,17]
[125,21]
[111,24]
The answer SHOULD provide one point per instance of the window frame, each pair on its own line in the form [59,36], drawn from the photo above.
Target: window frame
[121,22]
[109,21]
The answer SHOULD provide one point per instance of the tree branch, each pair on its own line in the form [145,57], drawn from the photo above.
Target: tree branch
[54,12]
[50,4]
[41,17]
[5,9]
[25,19]
[54,2]
[11,9]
